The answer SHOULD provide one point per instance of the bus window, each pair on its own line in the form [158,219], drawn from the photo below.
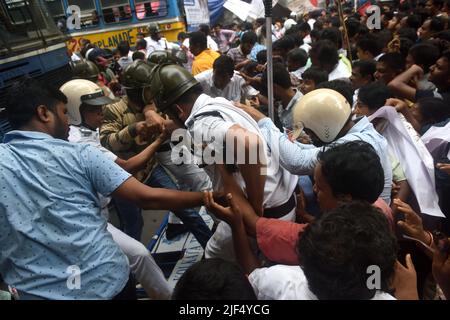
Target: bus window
[89,16]
[149,9]
[56,8]
[116,10]
[25,24]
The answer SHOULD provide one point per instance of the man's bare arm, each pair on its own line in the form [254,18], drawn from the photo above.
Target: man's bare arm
[149,198]
[248,150]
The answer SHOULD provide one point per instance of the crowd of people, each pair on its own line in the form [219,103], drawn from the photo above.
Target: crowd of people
[343,195]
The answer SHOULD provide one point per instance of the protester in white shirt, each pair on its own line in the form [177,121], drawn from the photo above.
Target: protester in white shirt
[325,56]
[337,254]
[214,123]
[223,81]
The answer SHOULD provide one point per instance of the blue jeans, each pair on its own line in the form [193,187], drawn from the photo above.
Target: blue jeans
[130,218]
[191,218]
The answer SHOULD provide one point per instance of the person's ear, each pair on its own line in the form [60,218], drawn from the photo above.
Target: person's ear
[43,114]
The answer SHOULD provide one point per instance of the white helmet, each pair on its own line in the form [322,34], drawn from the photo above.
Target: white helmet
[289,23]
[80,91]
[323,111]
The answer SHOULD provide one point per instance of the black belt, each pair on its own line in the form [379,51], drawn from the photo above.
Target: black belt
[281,210]
[164,147]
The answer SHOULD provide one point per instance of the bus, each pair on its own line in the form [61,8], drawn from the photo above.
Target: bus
[31,45]
[108,22]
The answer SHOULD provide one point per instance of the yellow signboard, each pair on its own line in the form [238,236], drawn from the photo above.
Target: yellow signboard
[110,39]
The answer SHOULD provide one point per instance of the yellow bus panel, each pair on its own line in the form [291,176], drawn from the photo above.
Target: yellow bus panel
[111,38]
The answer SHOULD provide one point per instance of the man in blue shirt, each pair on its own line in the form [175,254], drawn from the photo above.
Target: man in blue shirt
[53,239]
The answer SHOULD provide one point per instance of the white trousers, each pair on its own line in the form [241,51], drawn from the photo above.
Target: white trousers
[143,266]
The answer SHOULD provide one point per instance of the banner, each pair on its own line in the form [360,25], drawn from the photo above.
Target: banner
[196,13]
[297,5]
[240,8]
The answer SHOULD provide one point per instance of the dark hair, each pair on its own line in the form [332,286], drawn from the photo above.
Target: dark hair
[336,250]
[374,95]
[284,44]
[353,168]
[138,55]
[317,26]
[25,96]
[437,24]
[326,52]
[261,57]
[198,39]
[281,76]
[182,35]
[371,43]
[204,28]
[315,34]
[366,68]
[334,35]
[294,35]
[249,37]
[394,61]
[335,22]
[433,110]
[141,44]
[213,279]
[341,86]
[224,64]
[298,55]
[384,37]
[124,48]
[405,45]
[304,27]
[424,54]
[315,74]
[409,33]
[353,27]
[414,21]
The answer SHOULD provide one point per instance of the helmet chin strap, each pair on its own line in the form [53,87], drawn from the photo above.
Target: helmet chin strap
[84,124]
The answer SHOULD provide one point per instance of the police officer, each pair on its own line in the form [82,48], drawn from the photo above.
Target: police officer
[155,41]
[88,70]
[119,134]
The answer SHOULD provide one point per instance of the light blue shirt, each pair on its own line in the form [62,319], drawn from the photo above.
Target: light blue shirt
[50,218]
[256,48]
[300,159]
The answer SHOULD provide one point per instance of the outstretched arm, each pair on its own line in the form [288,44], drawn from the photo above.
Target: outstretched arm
[233,216]
[156,198]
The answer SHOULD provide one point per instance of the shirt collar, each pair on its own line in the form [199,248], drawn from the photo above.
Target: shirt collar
[201,101]
[294,99]
[22,134]
[360,124]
